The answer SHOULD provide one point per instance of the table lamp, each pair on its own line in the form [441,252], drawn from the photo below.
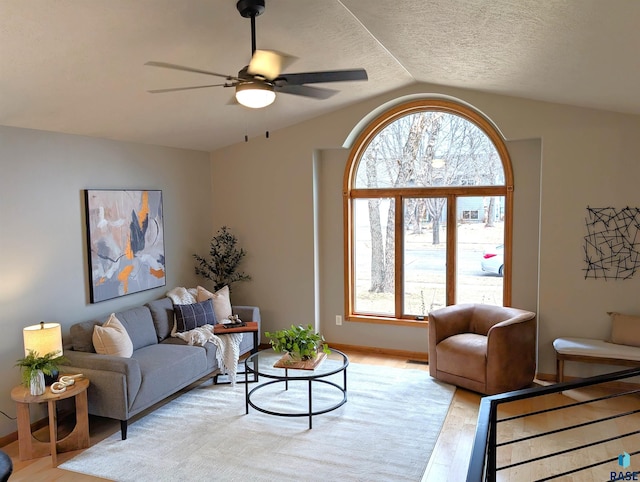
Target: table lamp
[42,339]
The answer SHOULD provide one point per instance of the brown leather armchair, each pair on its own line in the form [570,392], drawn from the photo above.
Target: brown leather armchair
[484,348]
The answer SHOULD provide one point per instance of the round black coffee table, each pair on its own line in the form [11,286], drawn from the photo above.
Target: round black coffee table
[261,363]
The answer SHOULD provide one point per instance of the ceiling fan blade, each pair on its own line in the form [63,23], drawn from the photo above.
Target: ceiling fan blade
[175,89]
[268,63]
[166,65]
[319,77]
[306,91]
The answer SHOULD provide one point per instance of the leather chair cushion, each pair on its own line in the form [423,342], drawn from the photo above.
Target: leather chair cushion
[464,355]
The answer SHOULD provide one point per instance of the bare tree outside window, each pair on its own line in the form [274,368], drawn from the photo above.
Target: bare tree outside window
[422,152]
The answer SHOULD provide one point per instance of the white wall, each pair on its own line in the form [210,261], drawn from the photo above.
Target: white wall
[43,261]
[526,157]
[565,159]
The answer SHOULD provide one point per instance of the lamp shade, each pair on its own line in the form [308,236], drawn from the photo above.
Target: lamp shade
[255,94]
[42,339]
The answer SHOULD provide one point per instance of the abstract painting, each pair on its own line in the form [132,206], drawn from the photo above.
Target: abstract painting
[125,240]
[612,243]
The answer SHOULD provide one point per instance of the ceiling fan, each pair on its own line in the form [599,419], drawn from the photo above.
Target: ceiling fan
[256,84]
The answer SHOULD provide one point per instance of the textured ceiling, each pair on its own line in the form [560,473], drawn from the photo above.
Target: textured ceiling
[77,66]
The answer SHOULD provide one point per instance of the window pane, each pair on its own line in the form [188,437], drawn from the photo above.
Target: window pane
[425,255]
[429,149]
[480,250]
[373,237]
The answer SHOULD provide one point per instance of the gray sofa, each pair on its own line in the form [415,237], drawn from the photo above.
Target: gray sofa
[160,365]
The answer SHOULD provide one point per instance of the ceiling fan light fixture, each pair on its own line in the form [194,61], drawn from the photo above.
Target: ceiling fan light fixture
[255,95]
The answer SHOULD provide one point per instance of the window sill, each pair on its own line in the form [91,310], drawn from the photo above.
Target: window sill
[388,321]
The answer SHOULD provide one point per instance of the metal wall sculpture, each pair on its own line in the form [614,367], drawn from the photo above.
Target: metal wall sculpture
[612,243]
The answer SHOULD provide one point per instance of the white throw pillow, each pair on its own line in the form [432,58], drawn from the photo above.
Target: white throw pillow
[112,338]
[220,299]
[182,296]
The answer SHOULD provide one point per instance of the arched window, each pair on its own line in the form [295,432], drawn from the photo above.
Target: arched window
[428,196]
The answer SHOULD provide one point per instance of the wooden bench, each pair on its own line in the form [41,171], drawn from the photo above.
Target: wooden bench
[590,350]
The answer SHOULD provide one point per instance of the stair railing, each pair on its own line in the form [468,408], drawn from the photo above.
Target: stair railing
[483,464]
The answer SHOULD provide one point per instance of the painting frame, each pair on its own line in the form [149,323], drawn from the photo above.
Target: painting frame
[125,242]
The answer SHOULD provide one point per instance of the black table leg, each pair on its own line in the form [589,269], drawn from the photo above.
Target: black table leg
[246,386]
[310,405]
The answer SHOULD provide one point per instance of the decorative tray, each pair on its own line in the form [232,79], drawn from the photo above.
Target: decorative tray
[235,324]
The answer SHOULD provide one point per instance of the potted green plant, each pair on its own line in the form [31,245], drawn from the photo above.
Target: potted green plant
[298,342]
[34,367]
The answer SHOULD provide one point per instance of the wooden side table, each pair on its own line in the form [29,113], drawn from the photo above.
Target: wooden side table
[249,327]
[29,446]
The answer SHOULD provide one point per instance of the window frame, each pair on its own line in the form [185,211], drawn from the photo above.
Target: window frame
[451,193]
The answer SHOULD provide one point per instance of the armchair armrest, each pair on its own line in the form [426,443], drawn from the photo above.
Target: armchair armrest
[443,323]
[511,351]
[513,334]
[449,321]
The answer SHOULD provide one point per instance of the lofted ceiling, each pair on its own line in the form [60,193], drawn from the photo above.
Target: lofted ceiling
[77,66]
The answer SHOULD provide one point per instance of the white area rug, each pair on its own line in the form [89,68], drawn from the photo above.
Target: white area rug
[385,432]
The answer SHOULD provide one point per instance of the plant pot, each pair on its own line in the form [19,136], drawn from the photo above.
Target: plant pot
[287,361]
[37,386]
[49,379]
[293,356]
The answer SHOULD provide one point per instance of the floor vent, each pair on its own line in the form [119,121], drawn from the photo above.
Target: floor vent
[418,362]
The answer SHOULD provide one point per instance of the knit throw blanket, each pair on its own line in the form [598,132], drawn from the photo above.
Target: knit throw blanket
[228,345]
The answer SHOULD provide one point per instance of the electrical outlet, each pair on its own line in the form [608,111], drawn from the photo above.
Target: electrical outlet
[338,320]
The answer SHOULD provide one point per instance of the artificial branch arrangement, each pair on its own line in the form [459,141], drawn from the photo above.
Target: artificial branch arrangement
[224,257]
[299,342]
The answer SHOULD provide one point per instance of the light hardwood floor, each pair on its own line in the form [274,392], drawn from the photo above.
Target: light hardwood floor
[451,453]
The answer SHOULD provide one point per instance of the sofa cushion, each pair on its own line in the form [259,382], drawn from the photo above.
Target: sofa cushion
[594,348]
[210,349]
[190,317]
[625,329]
[139,326]
[221,301]
[163,317]
[166,368]
[81,336]
[112,339]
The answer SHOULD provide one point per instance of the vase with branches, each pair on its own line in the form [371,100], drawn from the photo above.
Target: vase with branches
[221,268]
